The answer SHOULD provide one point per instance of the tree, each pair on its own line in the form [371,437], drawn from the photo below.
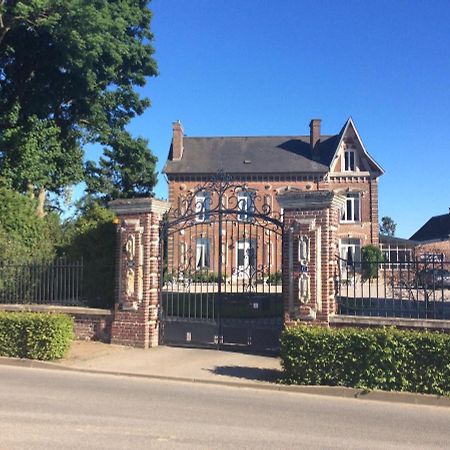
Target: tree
[126,170]
[371,257]
[24,237]
[68,72]
[92,236]
[387,226]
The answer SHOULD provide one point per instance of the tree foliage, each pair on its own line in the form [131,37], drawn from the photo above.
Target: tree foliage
[92,236]
[371,257]
[126,170]
[68,72]
[387,226]
[24,236]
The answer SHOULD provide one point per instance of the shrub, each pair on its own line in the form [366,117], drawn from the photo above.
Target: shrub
[385,358]
[274,278]
[203,276]
[35,335]
[371,259]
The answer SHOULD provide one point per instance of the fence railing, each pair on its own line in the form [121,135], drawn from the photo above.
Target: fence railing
[413,289]
[57,283]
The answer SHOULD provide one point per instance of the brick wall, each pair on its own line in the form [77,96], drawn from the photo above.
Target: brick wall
[91,324]
[366,230]
[434,247]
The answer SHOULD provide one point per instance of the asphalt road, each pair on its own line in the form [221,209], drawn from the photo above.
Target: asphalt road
[52,409]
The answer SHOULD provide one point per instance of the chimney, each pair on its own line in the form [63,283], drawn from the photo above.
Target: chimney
[177,140]
[314,134]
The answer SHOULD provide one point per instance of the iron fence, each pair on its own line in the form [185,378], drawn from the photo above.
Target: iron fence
[59,282]
[412,289]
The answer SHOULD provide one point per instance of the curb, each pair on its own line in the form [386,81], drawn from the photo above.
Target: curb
[329,391]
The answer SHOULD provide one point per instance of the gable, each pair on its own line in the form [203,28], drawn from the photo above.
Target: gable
[351,155]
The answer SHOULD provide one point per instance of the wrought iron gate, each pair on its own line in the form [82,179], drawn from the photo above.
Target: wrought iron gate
[221,268]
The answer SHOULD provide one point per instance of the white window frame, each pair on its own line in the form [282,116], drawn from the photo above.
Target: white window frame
[245,205]
[352,208]
[354,246]
[349,160]
[202,206]
[202,253]
[268,202]
[268,249]
[250,258]
[182,257]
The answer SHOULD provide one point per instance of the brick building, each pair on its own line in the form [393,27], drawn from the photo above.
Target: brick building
[269,166]
[433,238]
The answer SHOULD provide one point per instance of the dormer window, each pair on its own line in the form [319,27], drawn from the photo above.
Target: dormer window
[349,160]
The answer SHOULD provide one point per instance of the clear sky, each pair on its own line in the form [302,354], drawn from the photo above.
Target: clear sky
[266,67]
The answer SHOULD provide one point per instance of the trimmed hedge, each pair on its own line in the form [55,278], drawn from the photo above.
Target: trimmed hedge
[35,335]
[383,358]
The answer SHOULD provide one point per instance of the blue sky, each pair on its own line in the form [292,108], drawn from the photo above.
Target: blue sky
[260,67]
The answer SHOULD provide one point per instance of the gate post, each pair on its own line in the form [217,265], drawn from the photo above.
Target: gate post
[310,248]
[137,274]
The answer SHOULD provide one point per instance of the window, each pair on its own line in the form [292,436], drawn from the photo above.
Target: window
[349,161]
[202,206]
[245,205]
[182,257]
[268,257]
[202,253]
[267,207]
[351,210]
[350,251]
[246,258]
[395,256]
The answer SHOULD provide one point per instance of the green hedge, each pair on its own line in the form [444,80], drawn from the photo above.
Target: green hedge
[385,358]
[35,335]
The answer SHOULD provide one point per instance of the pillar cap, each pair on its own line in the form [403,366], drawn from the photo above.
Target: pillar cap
[138,205]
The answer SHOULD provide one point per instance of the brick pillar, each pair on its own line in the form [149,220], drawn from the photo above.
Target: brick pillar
[137,279]
[310,247]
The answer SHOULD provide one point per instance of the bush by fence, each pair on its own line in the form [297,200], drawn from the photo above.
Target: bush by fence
[385,358]
[35,335]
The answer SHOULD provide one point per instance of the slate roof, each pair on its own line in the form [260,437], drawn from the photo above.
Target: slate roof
[258,155]
[262,154]
[394,240]
[437,228]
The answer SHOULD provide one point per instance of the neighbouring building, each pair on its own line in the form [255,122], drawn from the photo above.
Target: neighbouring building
[397,252]
[269,166]
[433,238]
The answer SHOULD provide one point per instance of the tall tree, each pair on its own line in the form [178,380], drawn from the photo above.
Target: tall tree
[68,72]
[387,226]
[126,170]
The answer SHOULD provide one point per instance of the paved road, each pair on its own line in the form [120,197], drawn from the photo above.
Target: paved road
[52,409]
